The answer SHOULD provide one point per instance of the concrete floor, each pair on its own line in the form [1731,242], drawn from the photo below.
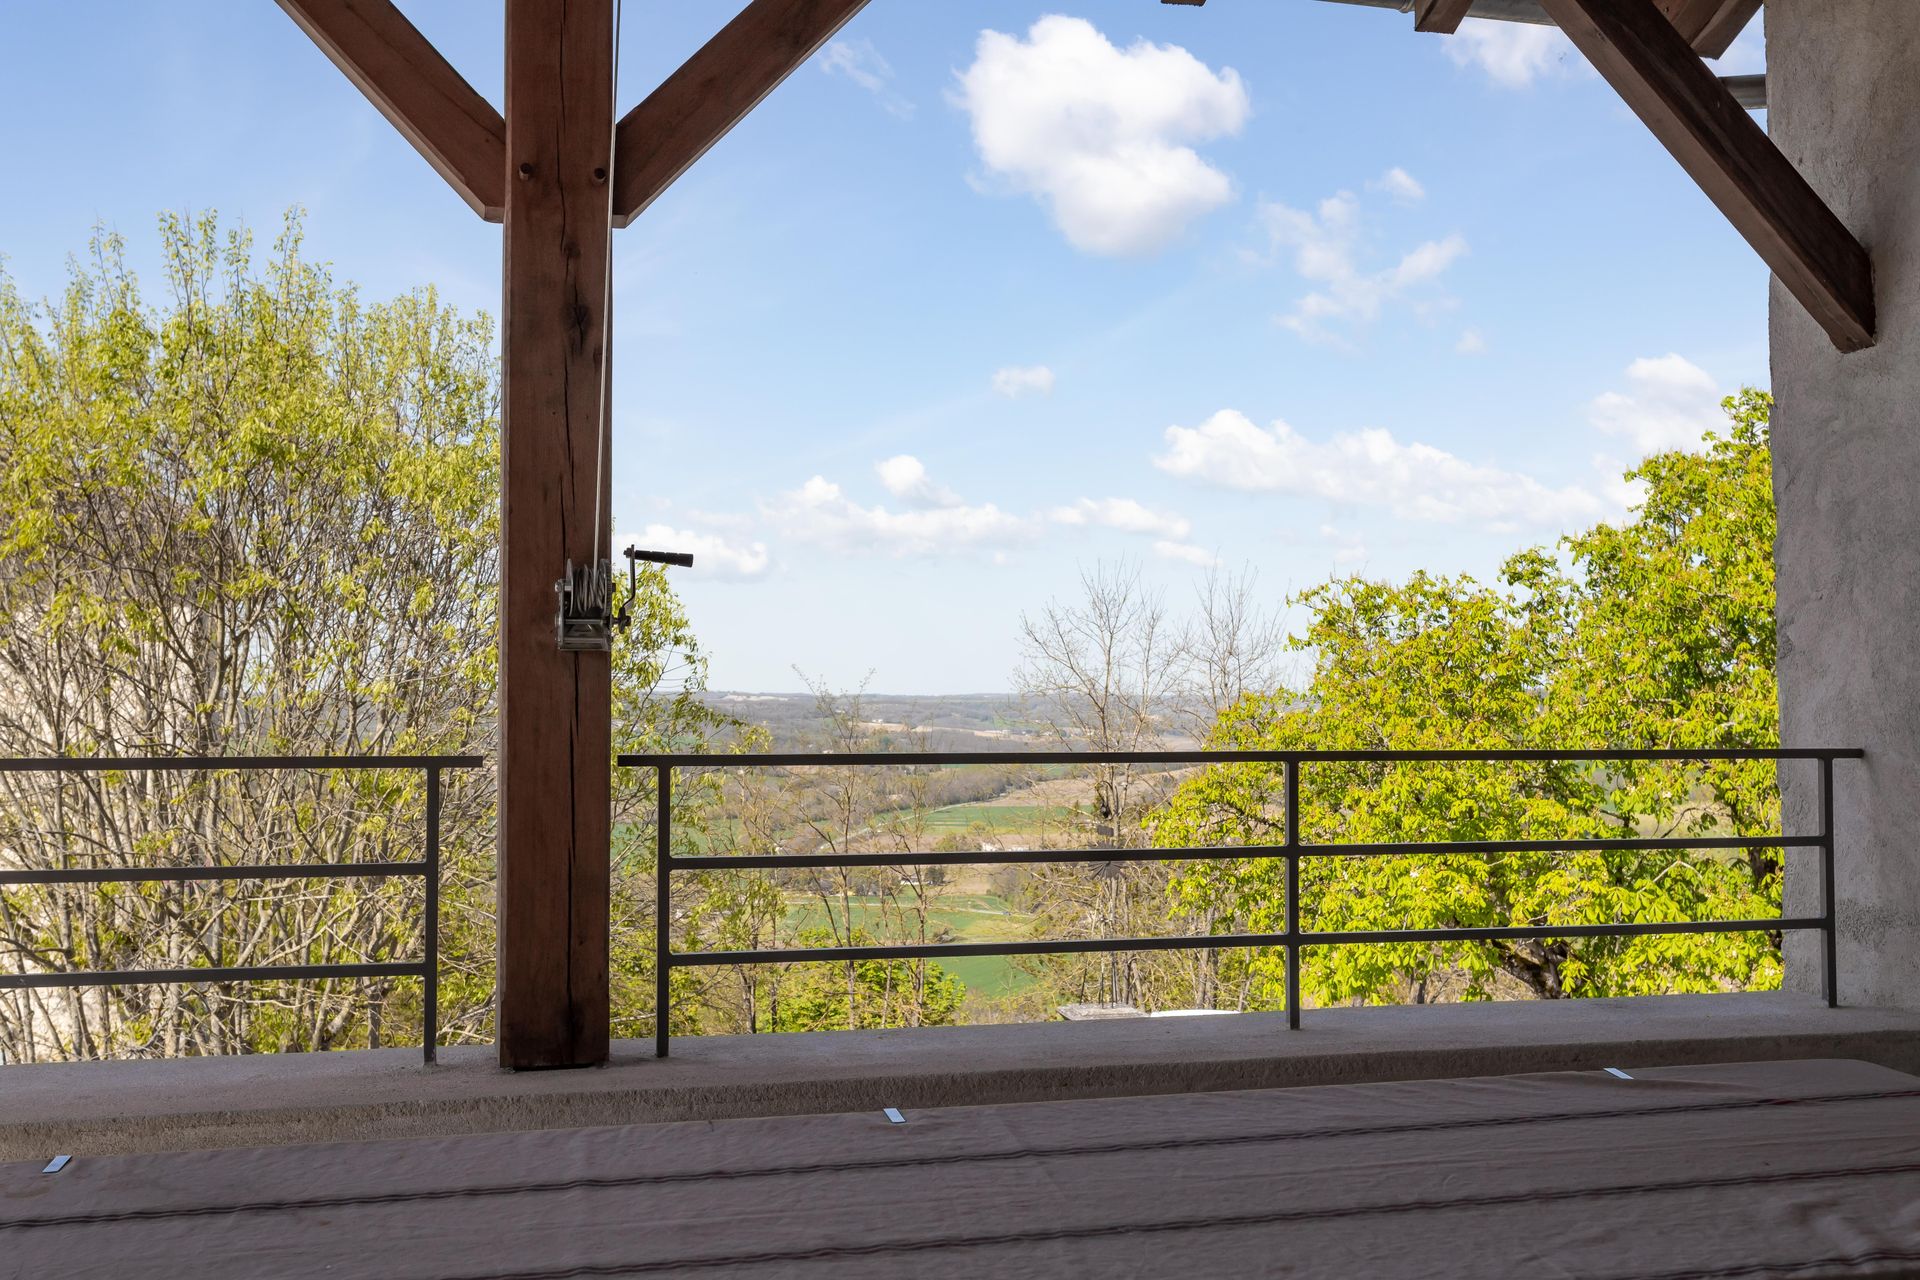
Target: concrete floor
[98,1108]
[1757,1169]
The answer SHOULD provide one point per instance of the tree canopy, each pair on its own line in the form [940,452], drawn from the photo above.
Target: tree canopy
[1654,632]
[257,516]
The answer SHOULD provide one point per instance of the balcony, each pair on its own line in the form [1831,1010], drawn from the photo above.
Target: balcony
[100,1107]
[1656,1136]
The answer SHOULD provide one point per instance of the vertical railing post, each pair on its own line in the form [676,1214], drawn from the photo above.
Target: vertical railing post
[430,999]
[1830,930]
[1292,775]
[662,909]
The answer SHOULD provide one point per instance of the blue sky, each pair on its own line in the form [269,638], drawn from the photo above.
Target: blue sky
[990,291]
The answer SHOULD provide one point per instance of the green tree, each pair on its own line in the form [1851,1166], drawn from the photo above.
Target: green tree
[1672,634]
[261,516]
[659,672]
[1656,632]
[818,810]
[883,993]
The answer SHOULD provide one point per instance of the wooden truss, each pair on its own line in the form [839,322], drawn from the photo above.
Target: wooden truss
[544,171]
[464,138]
[1708,26]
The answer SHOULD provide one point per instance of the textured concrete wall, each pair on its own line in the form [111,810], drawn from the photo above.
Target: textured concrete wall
[1844,88]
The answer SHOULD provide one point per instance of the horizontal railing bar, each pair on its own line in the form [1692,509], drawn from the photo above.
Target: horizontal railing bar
[145,875]
[937,950]
[1644,844]
[206,764]
[817,760]
[1517,933]
[190,977]
[1226,941]
[773,861]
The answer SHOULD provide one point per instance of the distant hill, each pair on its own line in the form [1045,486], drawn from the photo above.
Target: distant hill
[936,722]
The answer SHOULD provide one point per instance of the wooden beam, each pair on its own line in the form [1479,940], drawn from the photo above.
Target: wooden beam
[714,90]
[555,756]
[1638,52]
[417,90]
[1709,25]
[1442,16]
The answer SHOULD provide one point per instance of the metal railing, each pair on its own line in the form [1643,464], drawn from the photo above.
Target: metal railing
[427,866]
[1292,851]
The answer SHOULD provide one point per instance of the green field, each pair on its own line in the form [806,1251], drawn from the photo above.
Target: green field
[972,917]
[955,819]
[968,917]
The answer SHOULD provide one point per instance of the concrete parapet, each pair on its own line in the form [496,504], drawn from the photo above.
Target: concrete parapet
[178,1104]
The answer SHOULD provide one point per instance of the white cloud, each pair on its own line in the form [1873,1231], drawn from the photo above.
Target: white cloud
[820,512]
[1325,245]
[906,477]
[1513,54]
[1472,343]
[1401,185]
[1123,514]
[1670,404]
[931,519]
[1367,468]
[860,62]
[1099,134]
[713,555]
[1186,551]
[1015,381]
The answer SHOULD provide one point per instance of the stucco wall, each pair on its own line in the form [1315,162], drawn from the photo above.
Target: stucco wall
[1844,90]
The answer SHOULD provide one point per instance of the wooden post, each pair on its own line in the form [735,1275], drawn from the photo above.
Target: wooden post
[1442,16]
[555,708]
[549,184]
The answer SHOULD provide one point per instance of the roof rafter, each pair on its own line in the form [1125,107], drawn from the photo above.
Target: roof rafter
[417,90]
[1710,25]
[1651,66]
[1442,16]
[714,90]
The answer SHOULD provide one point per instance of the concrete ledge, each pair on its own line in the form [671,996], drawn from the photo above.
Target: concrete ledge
[98,1108]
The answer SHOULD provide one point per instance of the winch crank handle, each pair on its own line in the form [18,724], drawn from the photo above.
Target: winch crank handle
[681,559]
